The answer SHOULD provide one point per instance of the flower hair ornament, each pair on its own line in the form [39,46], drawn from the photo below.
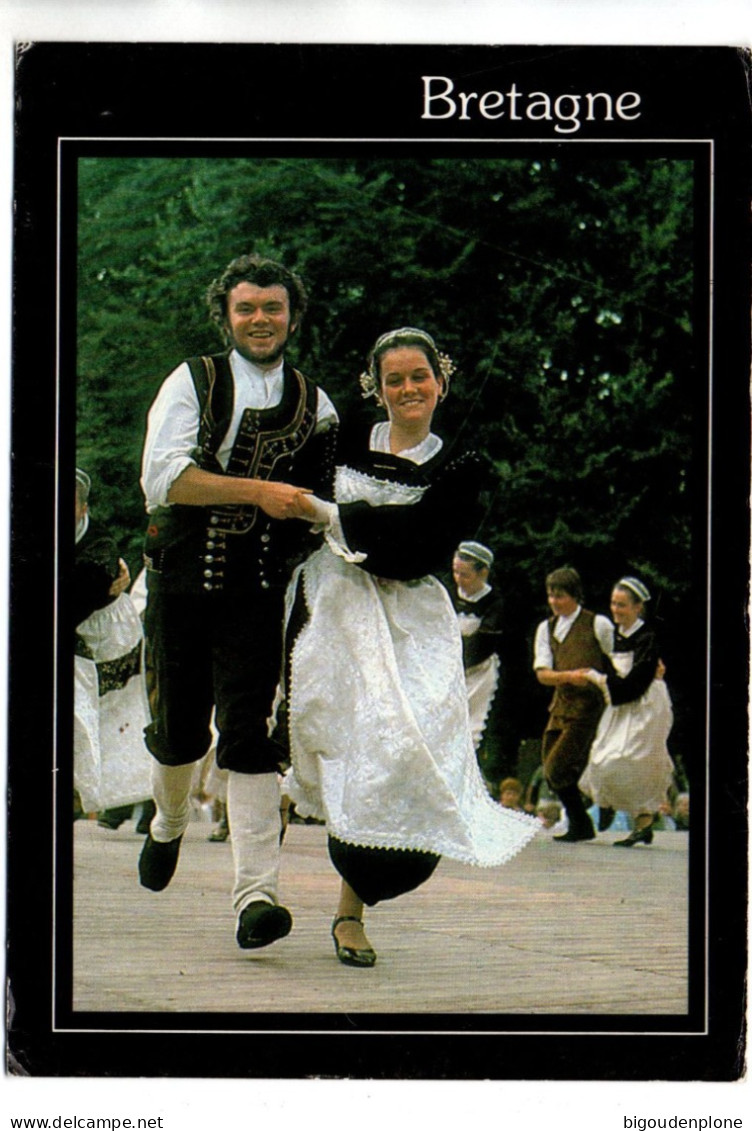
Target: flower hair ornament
[394,339]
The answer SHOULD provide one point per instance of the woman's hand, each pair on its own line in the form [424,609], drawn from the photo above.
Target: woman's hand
[282,500]
[660,669]
[122,581]
[578,677]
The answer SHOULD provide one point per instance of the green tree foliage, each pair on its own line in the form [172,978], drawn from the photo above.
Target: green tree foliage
[560,282]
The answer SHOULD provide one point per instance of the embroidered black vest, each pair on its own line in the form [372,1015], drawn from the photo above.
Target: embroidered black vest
[213,549]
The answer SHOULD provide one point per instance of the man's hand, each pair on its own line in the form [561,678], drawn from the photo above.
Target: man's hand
[121,582]
[282,500]
[577,678]
[574,677]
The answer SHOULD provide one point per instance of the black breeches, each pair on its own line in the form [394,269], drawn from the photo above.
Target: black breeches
[215,650]
[566,746]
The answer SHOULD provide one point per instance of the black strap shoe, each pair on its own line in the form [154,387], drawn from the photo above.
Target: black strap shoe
[261,923]
[639,836]
[350,955]
[157,863]
[220,832]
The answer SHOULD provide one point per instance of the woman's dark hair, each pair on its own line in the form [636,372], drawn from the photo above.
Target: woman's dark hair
[441,364]
[396,339]
[263,273]
[566,579]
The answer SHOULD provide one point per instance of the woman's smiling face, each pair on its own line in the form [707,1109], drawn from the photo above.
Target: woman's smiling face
[410,389]
[625,609]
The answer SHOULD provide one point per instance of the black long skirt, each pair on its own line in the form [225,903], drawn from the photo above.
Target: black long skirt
[375,874]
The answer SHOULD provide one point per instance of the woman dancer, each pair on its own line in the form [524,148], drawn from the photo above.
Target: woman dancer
[629,766]
[380,741]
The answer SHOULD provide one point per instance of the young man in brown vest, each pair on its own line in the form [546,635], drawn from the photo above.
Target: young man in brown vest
[568,642]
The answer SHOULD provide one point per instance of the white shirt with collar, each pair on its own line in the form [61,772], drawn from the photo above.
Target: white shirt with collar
[543,657]
[173,422]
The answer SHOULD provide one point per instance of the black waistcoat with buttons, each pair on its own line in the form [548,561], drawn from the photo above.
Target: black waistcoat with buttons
[220,549]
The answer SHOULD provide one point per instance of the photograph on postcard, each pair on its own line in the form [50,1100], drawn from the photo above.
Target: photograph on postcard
[381,650]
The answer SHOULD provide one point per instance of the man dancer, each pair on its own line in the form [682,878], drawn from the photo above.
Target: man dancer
[227,436]
[571,640]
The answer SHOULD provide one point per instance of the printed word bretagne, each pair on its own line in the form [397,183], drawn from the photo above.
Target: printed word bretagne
[568,111]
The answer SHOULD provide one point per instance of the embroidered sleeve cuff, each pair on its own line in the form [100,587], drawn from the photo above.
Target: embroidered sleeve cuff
[324,513]
[335,537]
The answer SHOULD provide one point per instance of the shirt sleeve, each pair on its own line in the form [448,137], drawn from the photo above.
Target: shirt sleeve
[543,657]
[171,437]
[604,633]
[326,413]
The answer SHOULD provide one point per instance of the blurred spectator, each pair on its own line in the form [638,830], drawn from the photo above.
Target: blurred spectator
[550,815]
[510,794]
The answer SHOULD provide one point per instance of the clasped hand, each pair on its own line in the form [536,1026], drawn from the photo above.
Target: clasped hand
[282,500]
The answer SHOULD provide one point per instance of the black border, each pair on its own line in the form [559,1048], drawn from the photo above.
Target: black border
[205,91]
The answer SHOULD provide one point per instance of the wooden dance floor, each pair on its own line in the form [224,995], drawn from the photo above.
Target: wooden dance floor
[562,929]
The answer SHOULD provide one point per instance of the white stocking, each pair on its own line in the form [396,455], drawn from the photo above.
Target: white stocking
[171,789]
[253,815]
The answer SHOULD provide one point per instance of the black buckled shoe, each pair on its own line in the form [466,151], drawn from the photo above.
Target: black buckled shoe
[577,832]
[638,836]
[261,923]
[157,863]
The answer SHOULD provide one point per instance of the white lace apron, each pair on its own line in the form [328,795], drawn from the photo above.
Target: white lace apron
[380,738]
[111,764]
[629,765]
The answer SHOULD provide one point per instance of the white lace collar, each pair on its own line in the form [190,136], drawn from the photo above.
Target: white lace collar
[472,598]
[421,453]
[627,632]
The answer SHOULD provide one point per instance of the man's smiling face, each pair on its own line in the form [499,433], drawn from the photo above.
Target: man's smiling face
[258,322]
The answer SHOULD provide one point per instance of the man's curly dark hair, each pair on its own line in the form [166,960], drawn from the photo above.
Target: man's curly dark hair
[263,273]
